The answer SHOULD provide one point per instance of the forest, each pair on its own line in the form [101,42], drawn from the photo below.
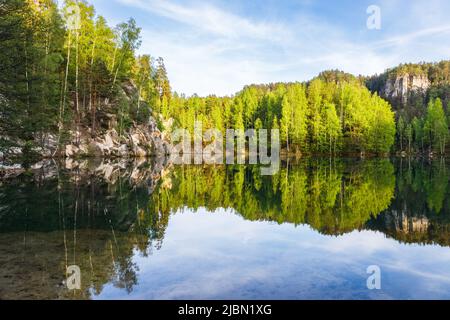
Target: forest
[331,114]
[60,83]
[423,114]
[60,80]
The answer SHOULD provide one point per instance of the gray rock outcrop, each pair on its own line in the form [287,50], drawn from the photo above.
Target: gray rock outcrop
[401,86]
[139,142]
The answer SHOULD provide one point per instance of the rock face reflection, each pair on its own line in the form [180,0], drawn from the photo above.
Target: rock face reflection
[420,211]
[98,215]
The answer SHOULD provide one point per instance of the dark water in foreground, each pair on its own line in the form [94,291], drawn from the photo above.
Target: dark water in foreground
[153,231]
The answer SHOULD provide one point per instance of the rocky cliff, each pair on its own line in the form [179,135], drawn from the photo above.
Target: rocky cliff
[401,87]
[412,84]
[406,226]
[139,140]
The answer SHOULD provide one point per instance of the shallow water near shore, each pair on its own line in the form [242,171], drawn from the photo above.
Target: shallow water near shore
[150,230]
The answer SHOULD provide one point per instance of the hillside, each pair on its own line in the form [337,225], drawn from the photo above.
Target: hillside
[413,85]
[76,90]
[83,91]
[412,89]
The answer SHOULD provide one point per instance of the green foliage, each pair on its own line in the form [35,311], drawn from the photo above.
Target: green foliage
[55,80]
[332,133]
[58,80]
[416,103]
[409,135]
[401,125]
[437,72]
[30,59]
[436,127]
[418,134]
[326,196]
[320,117]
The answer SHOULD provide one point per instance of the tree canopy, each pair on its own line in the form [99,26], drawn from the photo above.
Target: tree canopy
[319,116]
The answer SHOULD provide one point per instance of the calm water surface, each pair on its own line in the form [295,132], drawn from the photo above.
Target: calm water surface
[150,230]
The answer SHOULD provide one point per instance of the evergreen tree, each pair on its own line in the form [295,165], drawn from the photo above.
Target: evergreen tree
[436,127]
[286,120]
[409,135]
[333,130]
[401,125]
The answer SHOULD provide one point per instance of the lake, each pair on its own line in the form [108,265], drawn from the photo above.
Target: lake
[151,230]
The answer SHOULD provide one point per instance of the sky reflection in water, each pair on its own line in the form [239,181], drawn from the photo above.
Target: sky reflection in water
[219,255]
[158,232]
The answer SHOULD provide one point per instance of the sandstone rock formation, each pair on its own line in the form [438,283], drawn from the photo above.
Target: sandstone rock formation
[401,86]
[139,142]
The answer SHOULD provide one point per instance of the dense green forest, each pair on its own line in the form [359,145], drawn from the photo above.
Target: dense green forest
[332,113]
[423,114]
[61,80]
[65,82]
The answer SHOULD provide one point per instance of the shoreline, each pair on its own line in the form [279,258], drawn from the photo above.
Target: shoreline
[18,166]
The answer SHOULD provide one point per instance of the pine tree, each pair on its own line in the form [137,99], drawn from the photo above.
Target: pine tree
[436,127]
[315,122]
[409,135]
[401,125]
[332,127]
[299,130]
[162,84]
[418,134]
[286,120]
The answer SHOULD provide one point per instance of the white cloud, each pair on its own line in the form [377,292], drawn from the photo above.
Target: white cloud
[211,19]
[206,68]
[211,50]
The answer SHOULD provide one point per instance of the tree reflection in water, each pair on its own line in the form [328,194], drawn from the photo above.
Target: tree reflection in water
[99,215]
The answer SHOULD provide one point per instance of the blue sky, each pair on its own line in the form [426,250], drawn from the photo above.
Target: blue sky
[218,46]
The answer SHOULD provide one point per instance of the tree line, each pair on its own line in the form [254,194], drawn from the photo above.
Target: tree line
[60,83]
[423,115]
[424,134]
[331,114]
